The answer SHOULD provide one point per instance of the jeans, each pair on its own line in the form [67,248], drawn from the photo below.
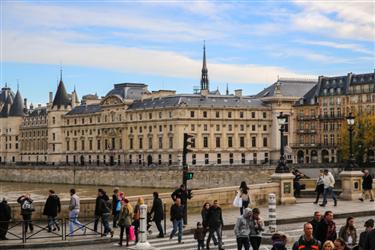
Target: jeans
[27,222]
[122,229]
[216,230]
[329,191]
[245,204]
[73,215]
[177,225]
[200,244]
[52,222]
[159,227]
[255,242]
[105,221]
[243,241]
[96,222]
[116,215]
[136,224]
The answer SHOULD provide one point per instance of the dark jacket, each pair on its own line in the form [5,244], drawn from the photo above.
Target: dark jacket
[5,211]
[199,233]
[204,214]
[179,193]
[115,201]
[102,205]
[52,206]
[26,205]
[367,182]
[322,232]
[177,212]
[315,224]
[362,240]
[157,209]
[370,240]
[215,217]
[302,243]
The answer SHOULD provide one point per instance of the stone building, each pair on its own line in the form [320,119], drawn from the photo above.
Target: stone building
[321,113]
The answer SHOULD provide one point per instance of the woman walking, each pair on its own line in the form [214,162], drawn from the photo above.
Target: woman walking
[204,214]
[136,217]
[125,221]
[244,194]
[319,189]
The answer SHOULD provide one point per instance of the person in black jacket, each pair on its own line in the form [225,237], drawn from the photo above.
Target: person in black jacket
[370,240]
[215,224]
[183,194]
[157,210]
[27,209]
[103,210]
[177,215]
[327,228]
[366,186]
[5,216]
[51,209]
[116,206]
[369,226]
[315,223]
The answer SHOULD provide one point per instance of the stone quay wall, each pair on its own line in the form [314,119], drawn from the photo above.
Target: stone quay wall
[204,177]
[224,195]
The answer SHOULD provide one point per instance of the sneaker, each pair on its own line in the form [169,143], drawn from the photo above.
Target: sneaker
[315,202]
[360,199]
[322,205]
[335,203]
[160,236]
[372,200]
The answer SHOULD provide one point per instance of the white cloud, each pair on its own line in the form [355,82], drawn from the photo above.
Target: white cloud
[336,45]
[337,18]
[131,60]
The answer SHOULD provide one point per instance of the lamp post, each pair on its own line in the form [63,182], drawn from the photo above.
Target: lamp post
[350,119]
[281,166]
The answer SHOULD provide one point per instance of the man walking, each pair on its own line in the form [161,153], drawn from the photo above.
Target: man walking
[177,214]
[74,206]
[256,229]
[51,209]
[307,241]
[102,209]
[183,194]
[116,206]
[215,223]
[157,210]
[329,183]
[366,186]
[5,216]
[327,228]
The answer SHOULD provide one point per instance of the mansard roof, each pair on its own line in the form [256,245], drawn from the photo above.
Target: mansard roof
[129,90]
[288,88]
[85,109]
[17,108]
[61,97]
[197,101]
[6,107]
[42,111]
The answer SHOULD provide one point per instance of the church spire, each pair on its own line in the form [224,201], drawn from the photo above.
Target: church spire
[204,78]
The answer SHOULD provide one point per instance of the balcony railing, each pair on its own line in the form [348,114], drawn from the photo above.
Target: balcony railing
[306,117]
[331,117]
[313,145]
[306,131]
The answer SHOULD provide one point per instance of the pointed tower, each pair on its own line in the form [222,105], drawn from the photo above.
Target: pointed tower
[204,78]
[227,90]
[17,107]
[61,98]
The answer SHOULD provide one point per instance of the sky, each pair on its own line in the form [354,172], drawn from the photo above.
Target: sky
[249,44]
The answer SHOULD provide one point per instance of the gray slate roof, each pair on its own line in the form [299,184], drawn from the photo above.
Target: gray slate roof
[6,107]
[85,109]
[4,94]
[288,88]
[129,90]
[197,101]
[61,97]
[17,108]
[38,112]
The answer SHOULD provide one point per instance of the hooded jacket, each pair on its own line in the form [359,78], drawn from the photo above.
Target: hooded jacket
[52,206]
[242,227]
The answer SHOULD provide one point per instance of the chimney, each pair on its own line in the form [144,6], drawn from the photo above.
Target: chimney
[238,92]
[74,97]
[31,106]
[50,97]
[204,92]
[25,103]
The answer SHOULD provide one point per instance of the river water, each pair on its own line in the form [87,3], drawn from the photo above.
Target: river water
[12,190]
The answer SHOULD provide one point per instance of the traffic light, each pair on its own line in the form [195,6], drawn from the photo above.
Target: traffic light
[189,175]
[187,142]
[189,194]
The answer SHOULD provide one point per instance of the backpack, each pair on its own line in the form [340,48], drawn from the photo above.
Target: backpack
[27,205]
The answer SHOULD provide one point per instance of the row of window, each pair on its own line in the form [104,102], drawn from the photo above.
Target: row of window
[230,114]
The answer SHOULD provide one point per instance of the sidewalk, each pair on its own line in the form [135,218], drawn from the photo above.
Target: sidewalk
[300,212]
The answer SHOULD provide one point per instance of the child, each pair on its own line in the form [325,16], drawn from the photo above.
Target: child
[199,234]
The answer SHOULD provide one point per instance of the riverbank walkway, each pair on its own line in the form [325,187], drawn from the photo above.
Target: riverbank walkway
[300,212]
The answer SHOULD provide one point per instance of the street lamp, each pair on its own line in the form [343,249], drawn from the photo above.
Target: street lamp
[350,119]
[281,166]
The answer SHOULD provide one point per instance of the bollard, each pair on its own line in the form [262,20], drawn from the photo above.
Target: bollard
[272,212]
[142,243]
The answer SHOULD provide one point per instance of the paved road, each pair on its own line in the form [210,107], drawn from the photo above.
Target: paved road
[293,230]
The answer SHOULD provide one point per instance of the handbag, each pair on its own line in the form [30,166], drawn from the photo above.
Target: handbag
[131,233]
[237,202]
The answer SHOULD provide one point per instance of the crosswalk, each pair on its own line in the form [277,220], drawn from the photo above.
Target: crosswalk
[189,243]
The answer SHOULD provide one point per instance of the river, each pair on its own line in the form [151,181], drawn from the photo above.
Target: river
[12,190]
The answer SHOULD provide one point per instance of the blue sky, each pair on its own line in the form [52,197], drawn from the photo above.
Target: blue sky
[249,43]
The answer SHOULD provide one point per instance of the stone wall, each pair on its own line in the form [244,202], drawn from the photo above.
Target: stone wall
[225,195]
[207,177]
